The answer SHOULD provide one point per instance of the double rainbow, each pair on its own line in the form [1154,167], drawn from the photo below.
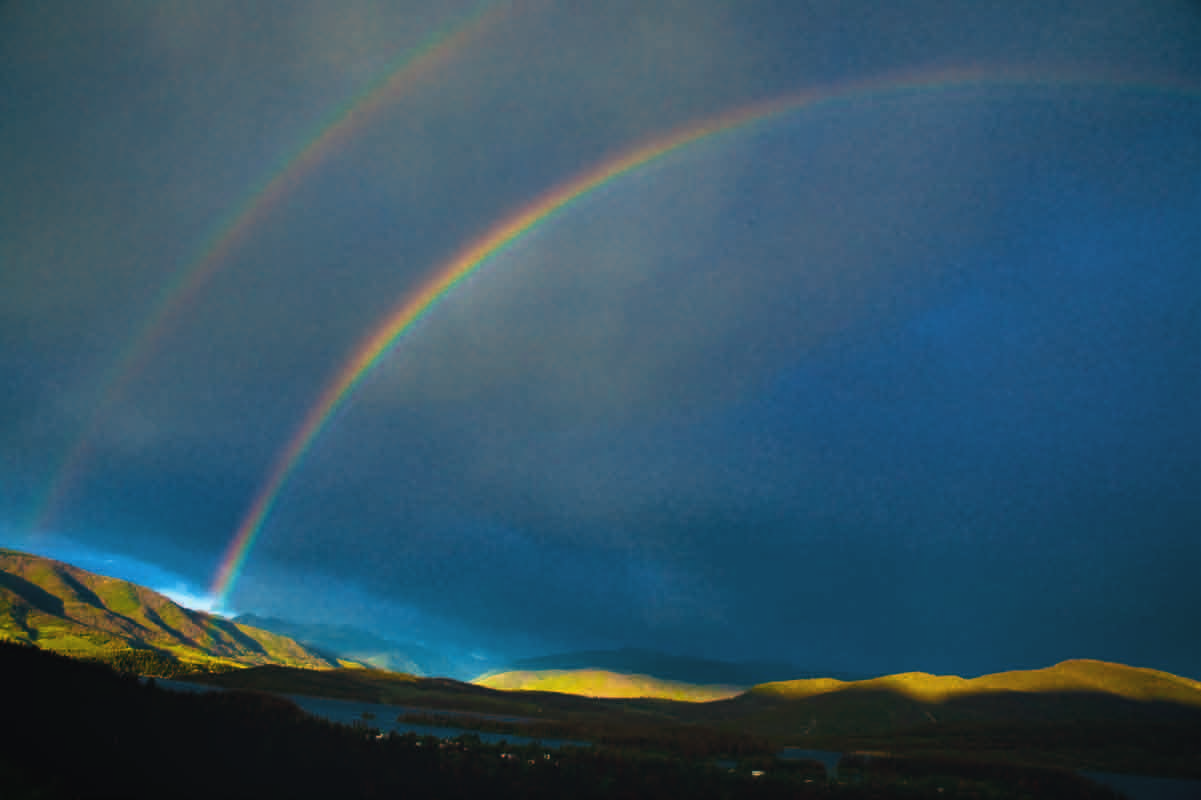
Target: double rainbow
[547,206]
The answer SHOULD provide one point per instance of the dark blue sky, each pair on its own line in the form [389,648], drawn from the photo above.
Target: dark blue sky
[907,381]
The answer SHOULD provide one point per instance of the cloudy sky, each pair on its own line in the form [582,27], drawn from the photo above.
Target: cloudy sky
[905,375]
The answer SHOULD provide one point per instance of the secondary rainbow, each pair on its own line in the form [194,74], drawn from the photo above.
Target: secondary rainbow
[545,207]
[336,128]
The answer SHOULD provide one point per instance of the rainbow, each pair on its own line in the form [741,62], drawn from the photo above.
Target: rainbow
[542,209]
[180,291]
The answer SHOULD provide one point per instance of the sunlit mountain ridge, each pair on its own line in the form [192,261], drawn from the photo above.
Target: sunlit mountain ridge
[1075,677]
[79,613]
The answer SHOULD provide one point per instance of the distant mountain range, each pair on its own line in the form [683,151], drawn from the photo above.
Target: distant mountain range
[63,608]
[349,643]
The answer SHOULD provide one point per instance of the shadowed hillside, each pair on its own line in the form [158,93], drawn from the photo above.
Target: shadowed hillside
[1079,714]
[63,608]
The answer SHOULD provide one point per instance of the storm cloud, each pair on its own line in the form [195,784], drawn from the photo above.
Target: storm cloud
[901,379]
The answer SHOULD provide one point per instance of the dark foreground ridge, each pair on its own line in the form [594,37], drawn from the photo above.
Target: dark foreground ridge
[76,729]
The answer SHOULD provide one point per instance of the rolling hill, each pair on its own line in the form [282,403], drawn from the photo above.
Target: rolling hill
[63,608]
[603,683]
[1078,675]
[1078,706]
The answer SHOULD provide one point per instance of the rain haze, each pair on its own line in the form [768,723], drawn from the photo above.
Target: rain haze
[863,337]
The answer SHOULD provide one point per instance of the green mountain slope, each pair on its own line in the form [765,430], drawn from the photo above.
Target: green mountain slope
[603,683]
[60,607]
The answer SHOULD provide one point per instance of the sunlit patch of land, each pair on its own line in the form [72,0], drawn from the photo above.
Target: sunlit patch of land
[603,683]
[1134,683]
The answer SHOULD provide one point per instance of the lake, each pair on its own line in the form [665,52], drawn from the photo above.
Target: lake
[1145,787]
[1135,787]
[828,758]
[350,712]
